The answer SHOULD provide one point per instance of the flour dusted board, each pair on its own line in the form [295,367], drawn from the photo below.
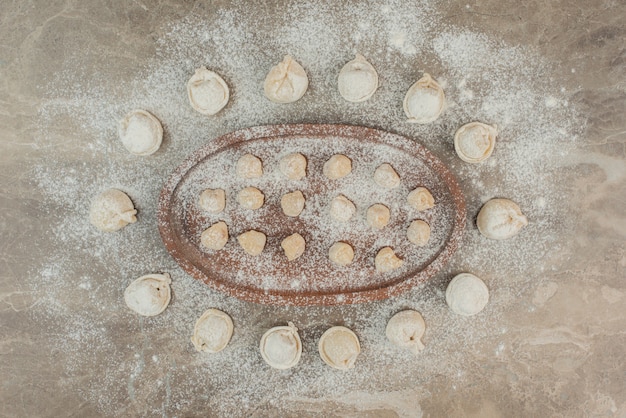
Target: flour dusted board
[312,278]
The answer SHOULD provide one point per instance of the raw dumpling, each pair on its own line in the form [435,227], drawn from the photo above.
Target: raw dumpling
[292,203]
[342,209]
[337,166]
[424,101]
[212,332]
[421,199]
[357,80]
[141,133]
[418,233]
[293,246]
[500,219]
[474,141]
[466,294]
[385,176]
[405,329]
[386,260]
[293,166]
[215,237]
[286,82]
[252,242]
[378,216]
[339,348]
[341,253]
[250,198]
[281,347]
[212,200]
[249,167]
[112,210]
[149,295]
[207,91]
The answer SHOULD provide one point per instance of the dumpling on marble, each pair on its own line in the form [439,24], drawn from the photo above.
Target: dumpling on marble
[212,332]
[212,200]
[341,253]
[286,82]
[293,246]
[249,167]
[149,295]
[337,166]
[112,210]
[386,260]
[421,199]
[292,203]
[208,92]
[281,346]
[141,132]
[252,242]
[339,347]
[474,142]
[466,294]
[357,80]
[342,209]
[250,198]
[500,219]
[418,232]
[405,329]
[385,176]
[293,166]
[215,237]
[424,101]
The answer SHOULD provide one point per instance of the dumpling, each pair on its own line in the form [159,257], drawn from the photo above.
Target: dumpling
[418,233]
[208,92]
[212,200]
[293,246]
[112,210]
[474,142]
[337,166]
[212,332]
[281,347]
[405,329]
[339,347]
[149,295]
[251,198]
[341,253]
[252,242]
[286,82]
[378,216]
[466,294]
[249,167]
[293,166]
[342,209]
[215,237]
[140,132]
[292,203]
[421,199]
[424,101]
[357,80]
[385,176]
[500,219]
[386,260]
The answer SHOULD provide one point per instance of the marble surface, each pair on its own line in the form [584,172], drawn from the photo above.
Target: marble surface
[551,347]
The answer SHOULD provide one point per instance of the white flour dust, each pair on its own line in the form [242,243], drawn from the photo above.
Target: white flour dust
[147,366]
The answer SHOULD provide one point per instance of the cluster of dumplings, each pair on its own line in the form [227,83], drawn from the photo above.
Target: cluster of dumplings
[340,208]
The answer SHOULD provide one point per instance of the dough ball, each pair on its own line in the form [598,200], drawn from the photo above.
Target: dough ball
[251,198]
[207,91]
[252,242]
[405,329]
[281,347]
[386,260]
[292,203]
[286,82]
[112,210]
[418,233]
[149,295]
[378,216]
[500,219]
[140,132]
[424,101]
[474,141]
[421,199]
[357,80]
[249,167]
[337,166]
[212,332]
[212,200]
[342,209]
[215,237]
[466,294]
[385,176]
[339,348]
[341,253]
[293,246]
[293,166]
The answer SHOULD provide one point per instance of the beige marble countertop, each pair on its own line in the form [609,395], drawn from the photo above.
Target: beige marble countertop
[551,341]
